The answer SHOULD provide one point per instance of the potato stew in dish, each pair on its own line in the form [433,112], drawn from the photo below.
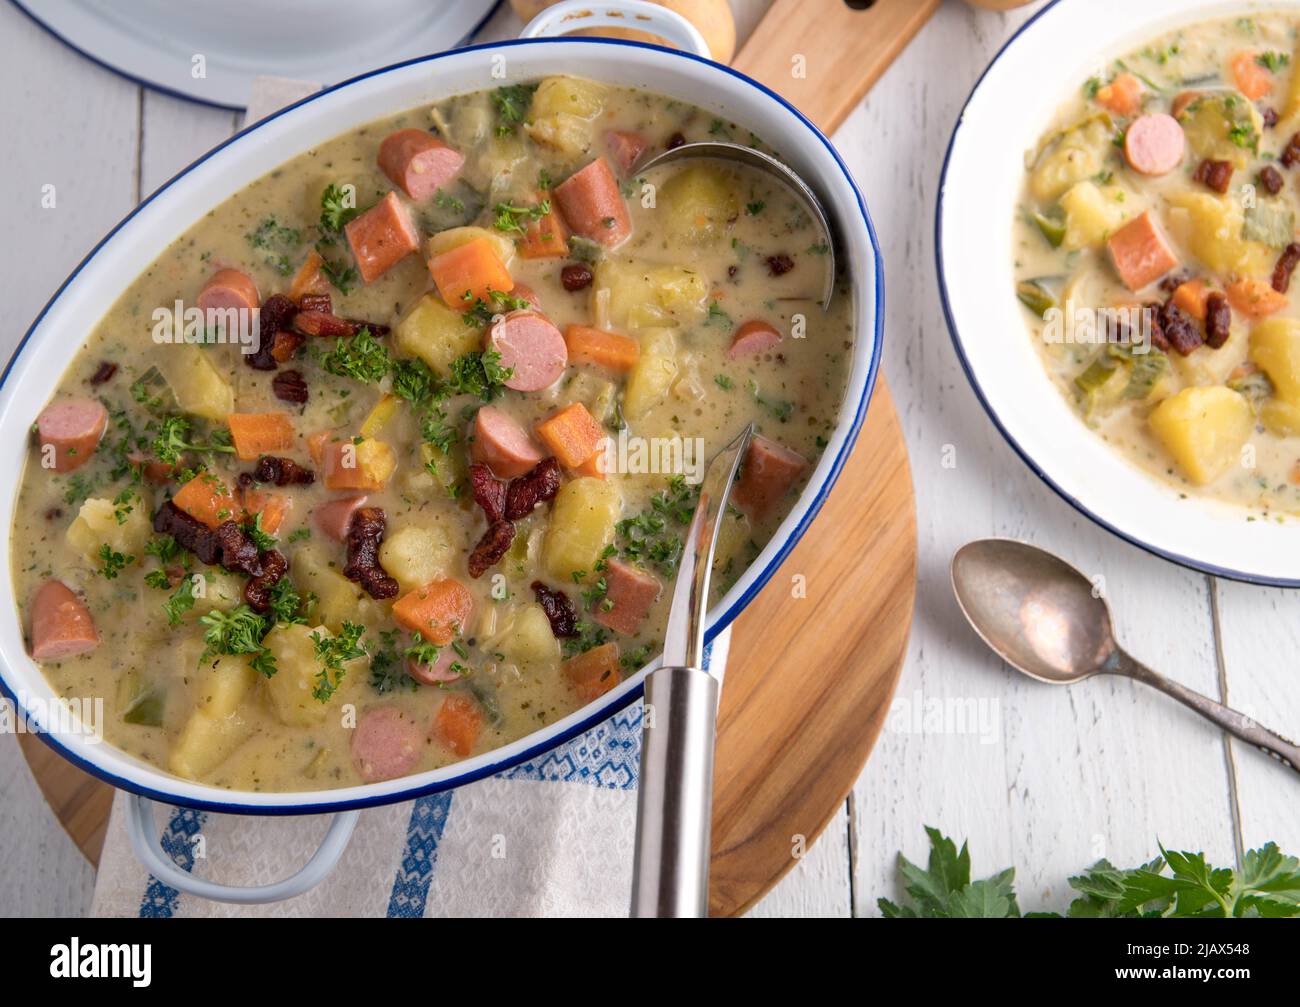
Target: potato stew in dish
[387,461]
[1155,246]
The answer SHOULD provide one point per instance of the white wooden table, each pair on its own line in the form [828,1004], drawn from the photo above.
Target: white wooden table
[1047,780]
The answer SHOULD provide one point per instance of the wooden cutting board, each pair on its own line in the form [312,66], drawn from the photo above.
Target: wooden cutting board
[816,657]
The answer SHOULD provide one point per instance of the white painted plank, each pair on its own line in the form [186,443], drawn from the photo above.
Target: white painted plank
[176,132]
[1260,634]
[1053,778]
[78,125]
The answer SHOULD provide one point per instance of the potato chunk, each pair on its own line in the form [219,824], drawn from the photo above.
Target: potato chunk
[296,670]
[337,597]
[1275,349]
[415,555]
[697,203]
[642,294]
[653,373]
[97,525]
[454,237]
[1204,429]
[436,334]
[1091,215]
[1076,154]
[582,524]
[562,112]
[195,381]
[1223,126]
[1211,227]
[528,638]
[216,727]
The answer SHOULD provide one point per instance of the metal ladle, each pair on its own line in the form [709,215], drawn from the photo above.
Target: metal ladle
[1044,618]
[715,150]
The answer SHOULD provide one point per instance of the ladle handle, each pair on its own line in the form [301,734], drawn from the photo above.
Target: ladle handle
[1236,724]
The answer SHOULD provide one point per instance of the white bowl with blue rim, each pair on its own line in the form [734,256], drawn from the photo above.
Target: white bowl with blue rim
[1045,63]
[46,351]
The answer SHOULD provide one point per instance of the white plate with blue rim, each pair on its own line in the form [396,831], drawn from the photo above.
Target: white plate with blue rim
[1051,56]
[211,52]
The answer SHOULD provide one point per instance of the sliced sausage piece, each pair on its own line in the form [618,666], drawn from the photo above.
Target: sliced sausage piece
[1184,99]
[593,206]
[226,290]
[1155,144]
[502,444]
[625,148]
[73,428]
[386,744]
[532,347]
[629,593]
[1141,254]
[381,237]
[770,470]
[437,673]
[61,623]
[418,162]
[333,518]
[751,338]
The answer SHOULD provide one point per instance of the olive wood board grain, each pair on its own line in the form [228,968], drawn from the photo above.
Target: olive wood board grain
[811,672]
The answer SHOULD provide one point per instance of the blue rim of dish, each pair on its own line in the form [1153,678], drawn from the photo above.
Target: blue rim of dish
[1184,561]
[183,96]
[606,710]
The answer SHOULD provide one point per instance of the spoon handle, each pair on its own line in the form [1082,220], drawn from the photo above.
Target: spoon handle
[1237,724]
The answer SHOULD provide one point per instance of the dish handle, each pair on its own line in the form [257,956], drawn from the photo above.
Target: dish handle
[141,830]
[572,15]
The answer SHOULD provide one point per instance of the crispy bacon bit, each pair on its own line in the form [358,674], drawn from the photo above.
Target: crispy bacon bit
[274,317]
[1271,179]
[779,265]
[1179,329]
[103,373]
[238,552]
[257,592]
[489,491]
[365,534]
[1152,312]
[1175,280]
[1286,264]
[290,386]
[324,324]
[1218,320]
[1270,117]
[282,472]
[491,547]
[285,345]
[575,276]
[53,513]
[1291,154]
[316,302]
[1216,175]
[558,608]
[538,485]
[675,141]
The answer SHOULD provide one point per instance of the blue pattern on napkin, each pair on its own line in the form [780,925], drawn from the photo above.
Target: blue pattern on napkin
[160,900]
[411,886]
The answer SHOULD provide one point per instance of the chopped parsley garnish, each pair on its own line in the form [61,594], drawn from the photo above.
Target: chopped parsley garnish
[478,374]
[717,316]
[781,409]
[755,208]
[655,536]
[331,653]
[263,540]
[180,602]
[238,632]
[337,209]
[112,562]
[724,382]
[1273,61]
[512,103]
[361,357]
[173,439]
[481,312]
[277,240]
[517,218]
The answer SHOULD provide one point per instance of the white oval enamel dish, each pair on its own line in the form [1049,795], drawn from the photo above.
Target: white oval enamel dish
[157,42]
[53,340]
[1013,103]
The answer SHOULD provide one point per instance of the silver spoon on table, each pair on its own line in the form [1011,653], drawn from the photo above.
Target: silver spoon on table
[715,150]
[1042,617]
[674,803]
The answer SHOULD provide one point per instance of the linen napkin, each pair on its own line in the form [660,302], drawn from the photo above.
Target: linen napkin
[550,837]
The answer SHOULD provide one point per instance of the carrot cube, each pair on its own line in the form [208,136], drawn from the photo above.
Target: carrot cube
[458,723]
[1252,80]
[469,272]
[256,434]
[545,238]
[593,672]
[1255,298]
[309,279]
[437,611]
[1123,95]
[1140,252]
[208,500]
[273,507]
[572,434]
[1191,297]
[381,237]
[589,345]
[357,465]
